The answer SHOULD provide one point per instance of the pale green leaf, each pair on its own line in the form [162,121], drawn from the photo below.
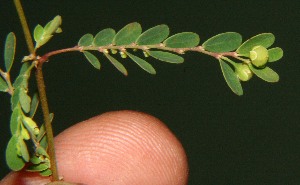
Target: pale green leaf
[14,162]
[266,74]
[264,39]
[24,150]
[142,63]
[35,160]
[275,54]
[46,173]
[22,79]
[15,120]
[92,59]
[231,78]
[34,105]
[182,40]
[153,35]
[9,50]
[37,167]
[86,40]
[117,64]
[25,100]
[104,37]
[3,85]
[38,33]
[166,56]
[128,34]
[53,25]
[223,42]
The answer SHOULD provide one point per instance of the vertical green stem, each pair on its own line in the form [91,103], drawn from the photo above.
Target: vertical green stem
[48,126]
[42,91]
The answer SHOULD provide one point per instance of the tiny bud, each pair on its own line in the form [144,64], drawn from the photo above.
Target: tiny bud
[123,54]
[114,51]
[106,51]
[259,56]
[145,54]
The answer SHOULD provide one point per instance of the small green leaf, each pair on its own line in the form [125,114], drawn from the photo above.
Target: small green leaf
[46,173]
[117,64]
[34,105]
[86,40]
[231,78]
[24,100]
[154,35]
[38,33]
[223,42]
[3,85]
[13,161]
[22,79]
[15,120]
[166,56]
[53,25]
[266,74]
[142,63]
[275,54]
[9,50]
[37,167]
[15,98]
[182,40]
[104,37]
[92,59]
[41,151]
[24,150]
[35,160]
[128,34]
[264,39]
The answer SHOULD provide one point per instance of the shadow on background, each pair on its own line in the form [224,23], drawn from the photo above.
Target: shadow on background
[253,139]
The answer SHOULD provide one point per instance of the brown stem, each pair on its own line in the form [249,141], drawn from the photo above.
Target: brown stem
[48,126]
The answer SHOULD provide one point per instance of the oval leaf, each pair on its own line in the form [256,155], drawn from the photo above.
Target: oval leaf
[166,56]
[142,63]
[117,64]
[275,54]
[154,35]
[86,40]
[92,59]
[13,161]
[9,50]
[3,85]
[24,150]
[53,25]
[223,42]
[266,74]
[104,37]
[128,34]
[37,167]
[38,33]
[264,39]
[231,78]
[24,100]
[34,105]
[182,40]
[15,120]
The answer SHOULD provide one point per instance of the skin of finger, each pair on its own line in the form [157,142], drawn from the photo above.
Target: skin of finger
[122,147]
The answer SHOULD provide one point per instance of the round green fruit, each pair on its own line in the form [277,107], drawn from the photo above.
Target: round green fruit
[243,72]
[259,56]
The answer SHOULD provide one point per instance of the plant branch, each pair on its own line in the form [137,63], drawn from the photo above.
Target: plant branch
[48,126]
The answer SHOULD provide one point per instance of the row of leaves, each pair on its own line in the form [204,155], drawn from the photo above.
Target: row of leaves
[22,126]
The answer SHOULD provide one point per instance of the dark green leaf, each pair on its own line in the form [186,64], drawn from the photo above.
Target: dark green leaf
[25,100]
[182,40]
[3,85]
[92,59]
[264,39]
[37,167]
[117,64]
[38,33]
[166,56]
[104,37]
[13,161]
[223,42]
[24,150]
[231,78]
[15,98]
[15,120]
[275,54]
[142,63]
[266,74]
[34,105]
[9,50]
[153,35]
[128,34]
[86,40]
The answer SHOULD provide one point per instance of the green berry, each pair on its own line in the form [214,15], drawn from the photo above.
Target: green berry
[259,56]
[243,72]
